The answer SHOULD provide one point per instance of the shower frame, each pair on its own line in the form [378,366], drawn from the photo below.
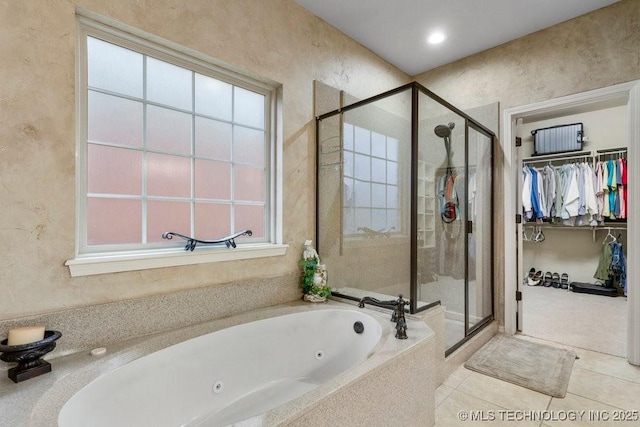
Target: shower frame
[416,88]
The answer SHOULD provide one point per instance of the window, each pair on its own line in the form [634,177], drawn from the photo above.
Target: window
[168,142]
[371,182]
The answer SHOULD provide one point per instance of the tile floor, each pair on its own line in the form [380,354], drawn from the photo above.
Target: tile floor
[601,386]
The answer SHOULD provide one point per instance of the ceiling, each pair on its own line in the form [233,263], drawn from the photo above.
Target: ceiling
[397,30]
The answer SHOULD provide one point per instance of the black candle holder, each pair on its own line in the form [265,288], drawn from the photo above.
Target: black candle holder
[28,356]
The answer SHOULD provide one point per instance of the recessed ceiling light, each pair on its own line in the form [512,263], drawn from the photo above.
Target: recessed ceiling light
[436,38]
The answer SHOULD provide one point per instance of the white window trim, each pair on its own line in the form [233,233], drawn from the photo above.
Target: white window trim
[107,263]
[85,264]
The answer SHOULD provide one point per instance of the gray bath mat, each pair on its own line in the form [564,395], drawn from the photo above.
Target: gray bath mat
[538,367]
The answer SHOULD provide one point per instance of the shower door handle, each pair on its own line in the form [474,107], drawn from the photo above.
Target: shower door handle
[469,227]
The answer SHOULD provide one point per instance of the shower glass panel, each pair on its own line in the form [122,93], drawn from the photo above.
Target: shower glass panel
[404,205]
[364,175]
[441,260]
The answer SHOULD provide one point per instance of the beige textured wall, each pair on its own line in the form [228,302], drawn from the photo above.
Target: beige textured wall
[592,51]
[273,38]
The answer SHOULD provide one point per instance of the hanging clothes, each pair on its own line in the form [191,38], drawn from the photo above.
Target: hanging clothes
[535,195]
[599,192]
[559,202]
[590,192]
[549,190]
[575,194]
[603,272]
[610,189]
[527,206]
[612,183]
[619,266]
[570,193]
[605,189]
[622,191]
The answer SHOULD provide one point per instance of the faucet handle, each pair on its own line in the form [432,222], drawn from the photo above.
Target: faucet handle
[398,312]
[401,302]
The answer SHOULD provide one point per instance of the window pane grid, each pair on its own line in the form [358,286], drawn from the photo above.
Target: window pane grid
[370,175]
[146,150]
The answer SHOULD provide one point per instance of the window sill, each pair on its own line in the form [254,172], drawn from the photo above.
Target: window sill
[103,263]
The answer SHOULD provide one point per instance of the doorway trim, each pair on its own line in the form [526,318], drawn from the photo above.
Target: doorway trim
[630,91]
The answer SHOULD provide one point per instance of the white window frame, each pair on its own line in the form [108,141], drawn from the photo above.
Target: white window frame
[88,261]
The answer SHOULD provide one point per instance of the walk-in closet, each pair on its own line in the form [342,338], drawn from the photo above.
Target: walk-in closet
[573,204]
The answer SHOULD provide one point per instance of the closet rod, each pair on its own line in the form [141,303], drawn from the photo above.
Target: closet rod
[547,226]
[550,157]
[610,228]
[593,233]
[612,150]
[562,227]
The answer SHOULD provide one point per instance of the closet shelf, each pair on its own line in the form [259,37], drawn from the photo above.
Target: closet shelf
[575,155]
[543,158]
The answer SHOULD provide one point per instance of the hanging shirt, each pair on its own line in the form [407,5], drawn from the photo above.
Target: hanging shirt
[558,204]
[582,197]
[535,194]
[618,265]
[604,263]
[527,207]
[598,190]
[541,196]
[570,193]
[613,186]
[619,171]
[549,179]
[624,183]
[592,202]
[605,188]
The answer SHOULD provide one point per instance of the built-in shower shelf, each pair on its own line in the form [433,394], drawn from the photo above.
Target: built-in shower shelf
[426,205]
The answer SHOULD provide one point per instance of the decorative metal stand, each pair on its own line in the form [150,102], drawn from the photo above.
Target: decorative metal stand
[191,242]
[28,357]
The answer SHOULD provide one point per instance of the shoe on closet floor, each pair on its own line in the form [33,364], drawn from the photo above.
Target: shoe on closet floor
[536,279]
[564,281]
[529,277]
[555,280]
[532,272]
[547,279]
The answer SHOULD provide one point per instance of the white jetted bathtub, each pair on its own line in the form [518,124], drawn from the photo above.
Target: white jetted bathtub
[229,375]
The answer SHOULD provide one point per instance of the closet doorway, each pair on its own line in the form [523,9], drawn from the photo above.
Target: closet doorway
[612,130]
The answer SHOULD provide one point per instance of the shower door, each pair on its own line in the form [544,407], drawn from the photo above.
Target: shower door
[479,228]
[454,256]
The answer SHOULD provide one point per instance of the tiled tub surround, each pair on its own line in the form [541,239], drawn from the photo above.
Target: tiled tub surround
[100,325]
[364,392]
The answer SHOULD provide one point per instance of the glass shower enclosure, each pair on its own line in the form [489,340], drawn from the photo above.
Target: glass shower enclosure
[404,205]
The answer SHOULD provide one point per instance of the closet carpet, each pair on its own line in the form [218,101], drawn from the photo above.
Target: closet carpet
[592,322]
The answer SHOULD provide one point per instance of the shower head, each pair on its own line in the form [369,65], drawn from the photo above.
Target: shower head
[444,131]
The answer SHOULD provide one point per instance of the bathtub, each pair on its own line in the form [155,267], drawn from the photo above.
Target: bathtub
[285,365]
[227,376]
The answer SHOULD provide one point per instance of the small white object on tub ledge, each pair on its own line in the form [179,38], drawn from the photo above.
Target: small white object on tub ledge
[100,351]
